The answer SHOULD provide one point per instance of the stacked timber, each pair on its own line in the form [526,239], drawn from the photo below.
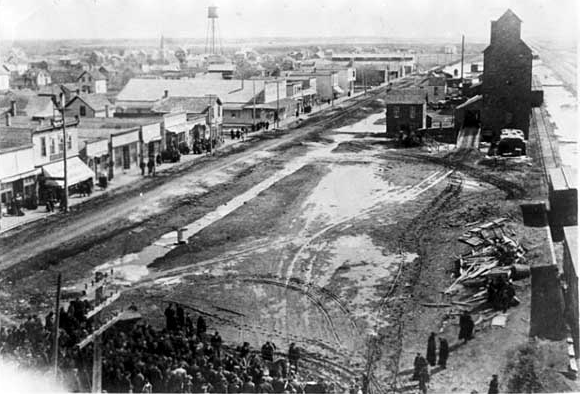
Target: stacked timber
[494,255]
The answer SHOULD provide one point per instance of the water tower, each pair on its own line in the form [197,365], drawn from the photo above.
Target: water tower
[212,40]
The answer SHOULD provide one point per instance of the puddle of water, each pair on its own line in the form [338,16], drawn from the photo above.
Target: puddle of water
[563,109]
[346,191]
[364,266]
[366,125]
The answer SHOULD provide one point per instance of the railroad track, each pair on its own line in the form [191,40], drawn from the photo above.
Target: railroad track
[513,190]
[411,239]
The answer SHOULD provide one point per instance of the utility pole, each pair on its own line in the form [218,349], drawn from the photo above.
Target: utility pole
[331,90]
[56,327]
[386,114]
[462,52]
[364,81]
[209,113]
[253,105]
[64,146]
[277,104]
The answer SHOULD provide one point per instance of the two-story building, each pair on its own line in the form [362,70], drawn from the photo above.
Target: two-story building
[307,95]
[92,81]
[48,146]
[435,86]
[406,112]
[17,172]
[327,85]
[346,76]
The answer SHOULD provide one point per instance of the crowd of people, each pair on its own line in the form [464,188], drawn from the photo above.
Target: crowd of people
[30,344]
[182,357]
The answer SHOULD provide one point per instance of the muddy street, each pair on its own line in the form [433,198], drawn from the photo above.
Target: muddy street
[314,237]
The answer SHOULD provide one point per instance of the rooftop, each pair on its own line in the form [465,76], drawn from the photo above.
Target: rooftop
[117,123]
[95,101]
[195,105]
[98,133]
[402,97]
[14,138]
[95,74]
[28,104]
[151,90]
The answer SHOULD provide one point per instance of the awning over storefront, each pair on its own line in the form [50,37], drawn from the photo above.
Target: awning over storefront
[77,172]
[26,174]
[178,129]
[337,90]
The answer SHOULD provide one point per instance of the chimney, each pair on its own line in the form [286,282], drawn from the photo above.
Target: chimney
[8,119]
[106,110]
[13,107]
[78,92]
[165,93]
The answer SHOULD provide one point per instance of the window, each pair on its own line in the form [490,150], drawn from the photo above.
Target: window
[412,112]
[43,146]
[69,142]
[435,90]
[61,144]
[396,111]
[83,110]
[52,146]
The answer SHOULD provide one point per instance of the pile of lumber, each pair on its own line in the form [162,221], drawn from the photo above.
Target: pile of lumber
[493,254]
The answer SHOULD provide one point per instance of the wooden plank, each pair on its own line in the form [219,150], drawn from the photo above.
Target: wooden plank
[436,305]
[103,305]
[127,315]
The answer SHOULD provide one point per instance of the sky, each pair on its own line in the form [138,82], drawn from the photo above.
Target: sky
[105,19]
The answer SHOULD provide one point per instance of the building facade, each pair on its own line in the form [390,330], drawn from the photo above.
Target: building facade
[406,112]
[92,82]
[17,172]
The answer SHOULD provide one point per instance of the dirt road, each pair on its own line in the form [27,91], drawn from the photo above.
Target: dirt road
[324,236]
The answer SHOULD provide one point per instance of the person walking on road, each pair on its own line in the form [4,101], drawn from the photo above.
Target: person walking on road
[431,350]
[418,365]
[294,356]
[423,379]
[142,166]
[466,326]
[443,352]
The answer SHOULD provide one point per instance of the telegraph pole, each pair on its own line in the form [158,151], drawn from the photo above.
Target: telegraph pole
[277,104]
[64,146]
[56,327]
[331,90]
[253,105]
[462,52]
[209,112]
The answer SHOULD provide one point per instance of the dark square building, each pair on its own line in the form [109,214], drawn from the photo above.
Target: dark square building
[507,78]
[406,112]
